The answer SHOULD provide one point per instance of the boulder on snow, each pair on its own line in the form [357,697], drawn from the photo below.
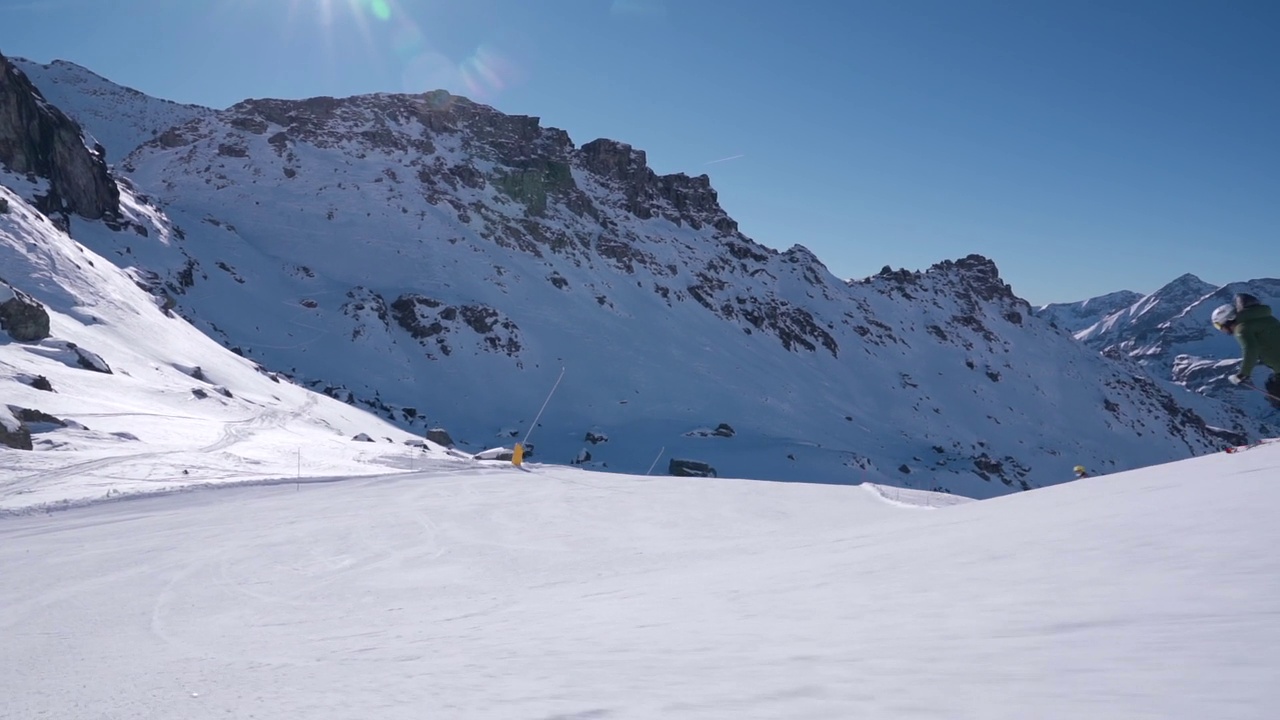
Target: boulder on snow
[440,436]
[498,453]
[21,316]
[30,416]
[90,360]
[722,430]
[595,438]
[690,468]
[13,433]
[362,437]
[38,382]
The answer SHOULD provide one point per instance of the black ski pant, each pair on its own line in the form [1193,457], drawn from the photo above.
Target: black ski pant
[1273,389]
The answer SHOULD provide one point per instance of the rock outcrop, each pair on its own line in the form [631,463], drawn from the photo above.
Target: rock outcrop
[37,139]
[22,316]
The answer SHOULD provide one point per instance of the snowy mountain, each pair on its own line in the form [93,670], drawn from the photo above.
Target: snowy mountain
[106,393]
[1170,334]
[569,594]
[440,263]
[121,118]
[1077,316]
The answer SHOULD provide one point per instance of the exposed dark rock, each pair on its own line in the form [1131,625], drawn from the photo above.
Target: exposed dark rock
[682,199]
[362,437]
[90,360]
[690,468]
[30,415]
[723,430]
[428,319]
[18,438]
[595,438]
[199,393]
[39,139]
[41,382]
[23,317]
[533,180]
[440,436]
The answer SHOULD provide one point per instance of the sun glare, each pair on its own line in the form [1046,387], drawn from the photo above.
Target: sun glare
[384,25]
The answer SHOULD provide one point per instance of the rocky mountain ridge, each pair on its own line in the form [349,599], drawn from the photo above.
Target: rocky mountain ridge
[438,262]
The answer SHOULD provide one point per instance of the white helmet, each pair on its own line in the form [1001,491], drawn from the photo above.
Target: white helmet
[1224,314]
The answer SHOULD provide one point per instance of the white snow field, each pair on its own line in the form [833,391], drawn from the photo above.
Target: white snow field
[478,592]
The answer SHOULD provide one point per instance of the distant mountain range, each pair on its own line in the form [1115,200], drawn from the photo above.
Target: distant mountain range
[1170,334]
[439,263]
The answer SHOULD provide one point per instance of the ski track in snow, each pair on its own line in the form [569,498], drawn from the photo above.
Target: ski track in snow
[484,592]
[233,432]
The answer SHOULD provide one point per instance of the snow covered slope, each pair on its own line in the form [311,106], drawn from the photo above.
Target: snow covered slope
[1170,334]
[119,117]
[568,594]
[440,262]
[123,397]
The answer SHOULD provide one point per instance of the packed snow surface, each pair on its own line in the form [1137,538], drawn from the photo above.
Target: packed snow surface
[474,590]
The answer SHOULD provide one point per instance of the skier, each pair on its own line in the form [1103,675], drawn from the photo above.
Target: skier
[1258,332]
[1080,472]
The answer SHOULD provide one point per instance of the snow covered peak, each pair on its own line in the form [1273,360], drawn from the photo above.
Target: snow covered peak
[1076,316]
[118,117]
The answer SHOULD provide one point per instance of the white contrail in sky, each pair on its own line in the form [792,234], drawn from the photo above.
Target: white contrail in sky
[725,159]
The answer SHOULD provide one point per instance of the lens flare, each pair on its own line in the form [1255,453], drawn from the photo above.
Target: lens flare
[381,9]
[387,28]
[485,72]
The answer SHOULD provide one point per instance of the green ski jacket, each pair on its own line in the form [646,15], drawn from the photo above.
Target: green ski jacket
[1258,332]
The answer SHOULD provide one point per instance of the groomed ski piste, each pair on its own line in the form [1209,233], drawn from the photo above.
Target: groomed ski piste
[473,590]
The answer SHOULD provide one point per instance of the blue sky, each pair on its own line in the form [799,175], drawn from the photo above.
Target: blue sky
[1086,146]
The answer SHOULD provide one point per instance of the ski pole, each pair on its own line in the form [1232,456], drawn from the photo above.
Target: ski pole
[1264,392]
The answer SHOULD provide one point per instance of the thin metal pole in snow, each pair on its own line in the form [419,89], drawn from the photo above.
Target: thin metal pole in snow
[525,441]
[655,460]
[298,485]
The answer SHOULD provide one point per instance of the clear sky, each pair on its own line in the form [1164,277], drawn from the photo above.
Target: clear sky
[1085,145]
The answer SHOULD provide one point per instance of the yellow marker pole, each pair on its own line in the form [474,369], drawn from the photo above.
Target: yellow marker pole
[517,456]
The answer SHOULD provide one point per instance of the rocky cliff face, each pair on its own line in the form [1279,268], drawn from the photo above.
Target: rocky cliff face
[439,262]
[39,139]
